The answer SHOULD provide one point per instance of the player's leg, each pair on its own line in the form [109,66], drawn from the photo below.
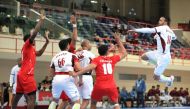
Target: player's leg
[13,94]
[64,105]
[114,97]
[72,92]
[57,88]
[31,98]
[85,103]
[16,100]
[162,63]
[86,90]
[150,57]
[19,93]
[64,101]
[93,104]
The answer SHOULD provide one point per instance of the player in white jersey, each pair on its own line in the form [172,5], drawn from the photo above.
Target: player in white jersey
[13,77]
[160,57]
[85,57]
[61,64]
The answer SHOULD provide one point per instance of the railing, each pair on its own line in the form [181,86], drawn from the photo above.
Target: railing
[113,20]
[141,24]
[14,45]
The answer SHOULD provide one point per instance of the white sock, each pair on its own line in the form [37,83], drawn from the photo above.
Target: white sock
[165,79]
[76,106]
[52,105]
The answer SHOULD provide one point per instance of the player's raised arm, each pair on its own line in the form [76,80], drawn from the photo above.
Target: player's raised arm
[37,28]
[143,30]
[122,51]
[173,36]
[41,51]
[75,34]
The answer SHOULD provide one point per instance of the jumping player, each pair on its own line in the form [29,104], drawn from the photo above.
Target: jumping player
[160,57]
[104,67]
[64,98]
[61,64]
[86,80]
[26,83]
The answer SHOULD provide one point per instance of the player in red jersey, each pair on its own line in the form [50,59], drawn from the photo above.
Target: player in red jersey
[104,67]
[26,83]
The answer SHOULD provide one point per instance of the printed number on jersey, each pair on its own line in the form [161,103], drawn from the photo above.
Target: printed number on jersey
[80,56]
[107,68]
[61,62]
[169,40]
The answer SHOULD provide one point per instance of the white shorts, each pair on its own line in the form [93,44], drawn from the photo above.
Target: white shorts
[160,60]
[14,88]
[87,87]
[166,98]
[65,83]
[183,100]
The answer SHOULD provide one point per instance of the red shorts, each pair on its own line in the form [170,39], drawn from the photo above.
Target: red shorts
[25,84]
[111,93]
[64,97]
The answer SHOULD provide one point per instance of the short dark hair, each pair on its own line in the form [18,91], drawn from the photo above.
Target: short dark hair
[26,37]
[103,49]
[167,19]
[64,43]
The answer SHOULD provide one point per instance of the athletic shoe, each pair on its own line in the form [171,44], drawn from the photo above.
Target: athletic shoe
[169,84]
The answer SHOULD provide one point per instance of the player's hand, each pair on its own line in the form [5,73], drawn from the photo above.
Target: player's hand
[47,36]
[80,83]
[74,74]
[116,35]
[73,19]
[131,31]
[42,14]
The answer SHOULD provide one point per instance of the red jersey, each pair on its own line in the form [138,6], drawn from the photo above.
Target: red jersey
[105,70]
[28,59]
[72,48]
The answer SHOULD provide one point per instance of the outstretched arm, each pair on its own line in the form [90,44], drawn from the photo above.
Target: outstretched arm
[87,69]
[75,34]
[41,51]
[144,30]
[37,28]
[122,51]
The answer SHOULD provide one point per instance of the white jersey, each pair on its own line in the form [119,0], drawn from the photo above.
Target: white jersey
[164,37]
[85,57]
[13,75]
[63,62]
